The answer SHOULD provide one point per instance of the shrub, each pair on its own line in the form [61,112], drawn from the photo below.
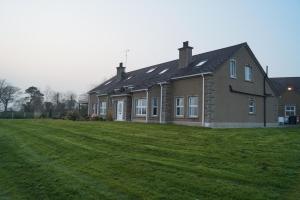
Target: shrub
[73,115]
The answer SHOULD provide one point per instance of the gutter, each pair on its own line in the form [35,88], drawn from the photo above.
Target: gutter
[247,93]
[119,95]
[140,90]
[100,95]
[193,75]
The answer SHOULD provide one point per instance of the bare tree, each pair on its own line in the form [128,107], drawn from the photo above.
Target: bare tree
[70,100]
[48,94]
[3,84]
[8,93]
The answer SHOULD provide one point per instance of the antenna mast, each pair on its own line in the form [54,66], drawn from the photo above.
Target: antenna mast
[126,55]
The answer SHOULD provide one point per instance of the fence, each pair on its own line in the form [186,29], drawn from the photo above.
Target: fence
[16,115]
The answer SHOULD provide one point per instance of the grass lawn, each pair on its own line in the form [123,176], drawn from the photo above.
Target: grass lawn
[48,159]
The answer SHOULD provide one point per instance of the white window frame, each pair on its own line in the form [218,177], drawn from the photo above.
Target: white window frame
[252,106]
[248,73]
[287,108]
[232,68]
[140,107]
[179,106]
[153,106]
[103,107]
[193,106]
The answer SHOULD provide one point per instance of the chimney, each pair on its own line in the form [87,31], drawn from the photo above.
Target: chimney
[185,55]
[120,72]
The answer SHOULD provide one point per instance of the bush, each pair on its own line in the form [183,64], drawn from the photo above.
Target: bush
[95,117]
[73,115]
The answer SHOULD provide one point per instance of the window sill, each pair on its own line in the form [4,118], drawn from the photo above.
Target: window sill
[141,116]
[179,116]
[232,77]
[249,81]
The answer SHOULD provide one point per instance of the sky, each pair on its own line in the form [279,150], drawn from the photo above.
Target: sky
[75,45]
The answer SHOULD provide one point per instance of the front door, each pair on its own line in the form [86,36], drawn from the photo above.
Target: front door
[120,109]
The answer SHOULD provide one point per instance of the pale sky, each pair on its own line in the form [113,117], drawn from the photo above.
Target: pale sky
[74,45]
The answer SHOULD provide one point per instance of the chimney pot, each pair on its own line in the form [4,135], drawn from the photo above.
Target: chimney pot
[186,44]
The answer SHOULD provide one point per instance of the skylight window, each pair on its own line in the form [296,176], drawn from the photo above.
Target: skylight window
[163,71]
[107,83]
[150,70]
[201,63]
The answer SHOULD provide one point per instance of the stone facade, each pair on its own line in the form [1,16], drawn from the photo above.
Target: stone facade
[222,106]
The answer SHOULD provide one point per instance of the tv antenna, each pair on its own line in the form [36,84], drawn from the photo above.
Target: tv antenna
[126,56]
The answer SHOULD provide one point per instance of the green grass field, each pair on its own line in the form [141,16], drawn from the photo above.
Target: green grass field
[47,159]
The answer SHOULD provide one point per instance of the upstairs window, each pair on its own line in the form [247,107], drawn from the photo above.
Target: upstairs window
[140,107]
[107,83]
[103,108]
[150,70]
[232,68]
[201,63]
[179,106]
[193,106]
[154,106]
[163,71]
[248,73]
[251,106]
[290,110]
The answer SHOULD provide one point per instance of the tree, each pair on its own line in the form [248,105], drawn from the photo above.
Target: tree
[36,99]
[70,101]
[3,84]
[9,94]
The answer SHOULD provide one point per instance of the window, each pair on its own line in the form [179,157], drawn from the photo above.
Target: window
[154,106]
[290,110]
[193,106]
[150,70]
[251,105]
[102,108]
[248,73]
[163,71]
[140,107]
[179,105]
[201,63]
[107,83]
[232,68]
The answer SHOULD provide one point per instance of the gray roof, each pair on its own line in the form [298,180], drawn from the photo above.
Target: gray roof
[282,83]
[140,79]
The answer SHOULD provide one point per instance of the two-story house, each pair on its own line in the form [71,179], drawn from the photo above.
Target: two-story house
[221,88]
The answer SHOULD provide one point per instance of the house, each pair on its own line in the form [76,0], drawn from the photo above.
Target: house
[288,89]
[222,88]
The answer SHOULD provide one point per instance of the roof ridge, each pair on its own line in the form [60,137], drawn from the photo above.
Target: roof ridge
[240,44]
